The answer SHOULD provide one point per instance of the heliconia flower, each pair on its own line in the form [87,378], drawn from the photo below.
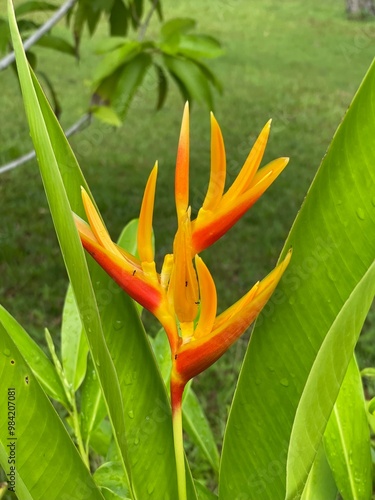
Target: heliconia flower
[183,296]
[182,292]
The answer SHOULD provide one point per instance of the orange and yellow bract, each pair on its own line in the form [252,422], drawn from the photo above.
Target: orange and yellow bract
[183,295]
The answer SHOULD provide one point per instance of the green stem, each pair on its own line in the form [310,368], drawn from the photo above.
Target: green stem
[77,432]
[176,400]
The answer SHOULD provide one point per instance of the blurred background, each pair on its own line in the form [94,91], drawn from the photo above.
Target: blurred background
[298,62]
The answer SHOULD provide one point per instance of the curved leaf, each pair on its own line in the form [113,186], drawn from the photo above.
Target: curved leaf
[333,240]
[35,357]
[74,347]
[61,473]
[320,483]
[347,439]
[315,405]
[113,60]
[196,425]
[191,77]
[121,351]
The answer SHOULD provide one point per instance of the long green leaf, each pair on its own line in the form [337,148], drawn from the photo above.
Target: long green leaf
[74,347]
[328,372]
[196,425]
[333,240]
[131,364]
[65,228]
[320,483]
[47,464]
[35,357]
[347,439]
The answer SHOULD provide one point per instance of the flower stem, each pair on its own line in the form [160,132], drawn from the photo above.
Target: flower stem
[176,400]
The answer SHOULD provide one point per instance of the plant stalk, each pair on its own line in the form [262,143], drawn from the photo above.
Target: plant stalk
[176,399]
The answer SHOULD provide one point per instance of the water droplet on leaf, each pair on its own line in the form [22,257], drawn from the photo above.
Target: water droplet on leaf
[284,382]
[361,213]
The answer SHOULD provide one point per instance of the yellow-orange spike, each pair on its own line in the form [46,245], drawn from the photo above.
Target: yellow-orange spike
[144,237]
[272,169]
[182,166]
[97,226]
[208,299]
[251,164]
[218,168]
[184,282]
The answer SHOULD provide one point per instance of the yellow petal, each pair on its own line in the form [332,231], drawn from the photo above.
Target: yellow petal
[208,300]
[184,284]
[250,166]
[96,224]
[198,355]
[145,249]
[218,167]
[182,166]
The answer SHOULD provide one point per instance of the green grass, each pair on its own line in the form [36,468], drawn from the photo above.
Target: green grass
[299,62]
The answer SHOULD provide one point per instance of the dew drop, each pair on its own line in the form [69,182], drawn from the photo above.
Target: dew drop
[131,414]
[284,382]
[118,325]
[292,300]
[361,213]
[136,441]
[257,381]
[6,352]
[150,489]
[271,368]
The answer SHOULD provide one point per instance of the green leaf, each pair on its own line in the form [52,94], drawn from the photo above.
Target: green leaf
[93,408]
[175,27]
[4,36]
[118,19]
[162,353]
[107,115]
[109,44]
[110,476]
[130,80]
[61,473]
[74,347]
[56,43]
[191,77]
[124,361]
[196,425]
[58,166]
[315,405]
[200,46]
[320,483]
[203,492]
[27,7]
[333,240]
[347,439]
[35,357]
[162,86]
[113,60]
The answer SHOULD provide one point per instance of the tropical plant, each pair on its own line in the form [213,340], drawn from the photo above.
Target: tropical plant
[298,422]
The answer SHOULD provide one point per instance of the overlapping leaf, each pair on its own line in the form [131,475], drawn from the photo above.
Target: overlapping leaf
[333,240]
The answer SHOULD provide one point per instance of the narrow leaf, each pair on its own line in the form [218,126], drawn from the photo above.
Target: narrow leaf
[333,240]
[347,439]
[196,425]
[35,357]
[74,347]
[61,473]
[320,483]
[328,371]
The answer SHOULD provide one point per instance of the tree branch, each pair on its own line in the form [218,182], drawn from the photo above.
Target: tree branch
[83,122]
[10,58]
[144,26]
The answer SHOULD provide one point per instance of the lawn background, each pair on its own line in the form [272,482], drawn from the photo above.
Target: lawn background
[296,61]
